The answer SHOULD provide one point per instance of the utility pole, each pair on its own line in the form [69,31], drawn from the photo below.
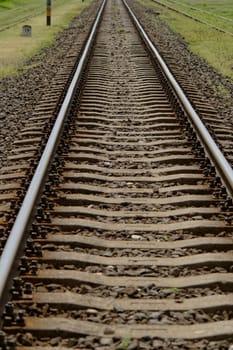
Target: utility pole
[48,12]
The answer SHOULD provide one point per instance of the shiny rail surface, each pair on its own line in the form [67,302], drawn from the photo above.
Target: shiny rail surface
[131,245]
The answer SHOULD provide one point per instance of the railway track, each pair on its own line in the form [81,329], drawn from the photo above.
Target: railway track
[131,244]
[194,18]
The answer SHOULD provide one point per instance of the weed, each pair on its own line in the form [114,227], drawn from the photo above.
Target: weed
[125,343]
[175,290]
[221,91]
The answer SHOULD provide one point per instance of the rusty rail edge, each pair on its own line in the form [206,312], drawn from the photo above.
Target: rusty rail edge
[216,156]
[32,197]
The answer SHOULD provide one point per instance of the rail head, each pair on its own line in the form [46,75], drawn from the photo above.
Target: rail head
[215,155]
[32,197]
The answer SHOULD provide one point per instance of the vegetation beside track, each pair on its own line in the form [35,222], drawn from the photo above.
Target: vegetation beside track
[214,46]
[16,13]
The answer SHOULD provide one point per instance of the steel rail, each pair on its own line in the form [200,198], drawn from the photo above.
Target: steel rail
[24,217]
[216,156]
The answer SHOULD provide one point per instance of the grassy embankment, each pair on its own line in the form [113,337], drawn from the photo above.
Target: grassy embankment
[215,47]
[15,13]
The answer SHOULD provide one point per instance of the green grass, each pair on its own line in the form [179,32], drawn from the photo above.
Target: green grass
[7,3]
[215,47]
[125,343]
[217,13]
[15,49]
[13,11]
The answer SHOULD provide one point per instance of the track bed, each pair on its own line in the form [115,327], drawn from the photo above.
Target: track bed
[131,247]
